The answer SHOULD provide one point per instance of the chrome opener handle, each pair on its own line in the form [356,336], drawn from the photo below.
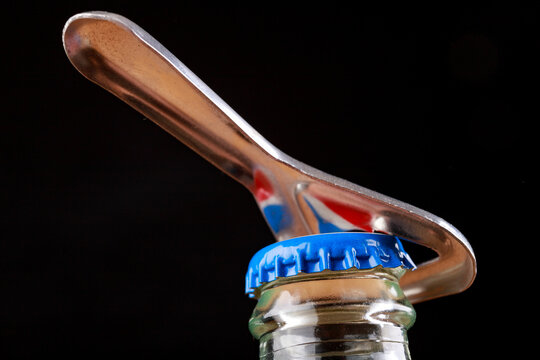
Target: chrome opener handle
[294,198]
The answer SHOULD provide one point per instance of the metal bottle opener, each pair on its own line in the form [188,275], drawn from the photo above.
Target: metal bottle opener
[295,199]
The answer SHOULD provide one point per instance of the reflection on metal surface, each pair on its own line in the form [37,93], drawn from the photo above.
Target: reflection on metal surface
[295,198]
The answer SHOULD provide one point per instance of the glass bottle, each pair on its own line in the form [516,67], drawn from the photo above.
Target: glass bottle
[331,296]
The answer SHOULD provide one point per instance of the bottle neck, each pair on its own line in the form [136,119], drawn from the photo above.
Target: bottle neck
[328,314]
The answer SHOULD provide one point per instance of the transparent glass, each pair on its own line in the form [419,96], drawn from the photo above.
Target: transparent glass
[353,314]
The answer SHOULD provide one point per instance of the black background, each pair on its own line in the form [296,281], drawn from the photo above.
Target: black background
[118,240]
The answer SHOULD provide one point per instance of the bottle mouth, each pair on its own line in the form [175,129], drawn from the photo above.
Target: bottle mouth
[371,300]
[378,272]
[329,296]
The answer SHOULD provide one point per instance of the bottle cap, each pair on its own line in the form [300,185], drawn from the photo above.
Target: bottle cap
[329,251]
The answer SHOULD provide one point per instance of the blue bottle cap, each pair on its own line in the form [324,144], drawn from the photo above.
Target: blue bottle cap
[329,251]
